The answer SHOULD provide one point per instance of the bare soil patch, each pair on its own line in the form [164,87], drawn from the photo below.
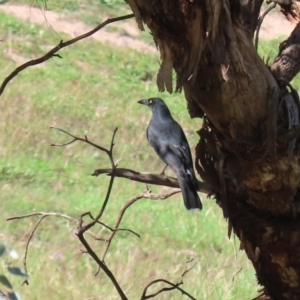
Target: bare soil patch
[74,28]
[274,26]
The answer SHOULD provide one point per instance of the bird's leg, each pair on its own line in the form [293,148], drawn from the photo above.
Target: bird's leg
[147,189]
[163,172]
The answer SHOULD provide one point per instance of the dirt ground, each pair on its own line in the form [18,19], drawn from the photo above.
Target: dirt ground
[59,23]
[274,25]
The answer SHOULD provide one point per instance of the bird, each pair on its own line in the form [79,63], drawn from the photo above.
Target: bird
[168,140]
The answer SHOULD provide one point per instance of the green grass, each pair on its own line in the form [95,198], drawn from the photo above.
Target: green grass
[93,89]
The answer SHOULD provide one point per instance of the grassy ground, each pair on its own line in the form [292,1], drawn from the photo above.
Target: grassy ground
[93,89]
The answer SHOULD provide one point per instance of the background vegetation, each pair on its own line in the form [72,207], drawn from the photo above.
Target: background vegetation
[93,89]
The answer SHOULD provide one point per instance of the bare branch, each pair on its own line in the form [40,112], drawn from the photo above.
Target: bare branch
[83,228]
[118,229]
[110,228]
[260,21]
[101,265]
[186,270]
[172,285]
[144,195]
[166,289]
[149,195]
[156,179]
[53,214]
[28,242]
[236,273]
[75,138]
[47,214]
[60,46]
[110,154]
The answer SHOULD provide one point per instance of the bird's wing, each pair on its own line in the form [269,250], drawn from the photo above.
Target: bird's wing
[174,155]
[179,145]
[182,151]
[184,166]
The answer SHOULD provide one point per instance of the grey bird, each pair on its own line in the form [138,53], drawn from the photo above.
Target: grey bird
[168,140]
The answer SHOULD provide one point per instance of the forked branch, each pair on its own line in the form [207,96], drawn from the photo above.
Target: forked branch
[83,228]
[171,287]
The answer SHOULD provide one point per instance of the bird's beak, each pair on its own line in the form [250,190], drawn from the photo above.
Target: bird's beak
[143,101]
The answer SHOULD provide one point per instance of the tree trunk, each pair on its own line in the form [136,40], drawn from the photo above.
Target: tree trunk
[248,150]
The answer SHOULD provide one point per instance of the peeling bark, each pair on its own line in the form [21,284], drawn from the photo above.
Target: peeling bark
[245,152]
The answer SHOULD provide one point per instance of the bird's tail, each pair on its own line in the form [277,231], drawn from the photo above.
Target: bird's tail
[190,195]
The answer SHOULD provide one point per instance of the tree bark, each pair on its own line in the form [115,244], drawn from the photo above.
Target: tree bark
[246,151]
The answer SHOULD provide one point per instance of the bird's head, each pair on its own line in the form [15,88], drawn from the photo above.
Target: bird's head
[152,103]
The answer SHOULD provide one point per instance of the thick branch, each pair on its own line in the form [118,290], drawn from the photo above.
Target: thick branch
[53,51]
[156,179]
[287,64]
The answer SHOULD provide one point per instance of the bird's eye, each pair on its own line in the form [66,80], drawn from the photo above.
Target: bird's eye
[150,101]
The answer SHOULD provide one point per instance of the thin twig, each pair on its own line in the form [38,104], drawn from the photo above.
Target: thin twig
[47,214]
[144,195]
[118,229]
[260,21]
[111,229]
[110,154]
[54,214]
[60,46]
[186,270]
[75,138]
[173,286]
[236,273]
[28,242]
[119,219]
